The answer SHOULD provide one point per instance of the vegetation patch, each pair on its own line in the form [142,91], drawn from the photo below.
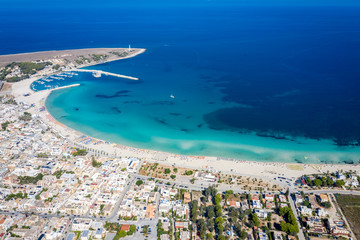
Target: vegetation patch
[95,163]
[5,125]
[28,179]
[25,69]
[296,167]
[25,117]
[79,152]
[16,196]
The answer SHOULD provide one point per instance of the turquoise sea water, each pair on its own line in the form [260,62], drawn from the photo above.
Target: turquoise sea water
[274,83]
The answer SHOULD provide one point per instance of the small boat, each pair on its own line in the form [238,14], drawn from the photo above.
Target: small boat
[172,96]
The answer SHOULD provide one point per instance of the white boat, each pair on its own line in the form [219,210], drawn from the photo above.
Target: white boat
[172,96]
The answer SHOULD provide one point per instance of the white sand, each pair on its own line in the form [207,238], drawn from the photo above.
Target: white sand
[241,167]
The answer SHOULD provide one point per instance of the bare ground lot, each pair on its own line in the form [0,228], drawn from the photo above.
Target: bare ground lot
[186,175]
[350,206]
[159,171]
[248,183]
[6,87]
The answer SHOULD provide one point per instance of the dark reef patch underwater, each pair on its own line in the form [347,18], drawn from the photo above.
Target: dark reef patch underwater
[264,82]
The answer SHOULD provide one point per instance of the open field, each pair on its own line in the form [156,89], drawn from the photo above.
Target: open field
[350,206]
[169,172]
[163,171]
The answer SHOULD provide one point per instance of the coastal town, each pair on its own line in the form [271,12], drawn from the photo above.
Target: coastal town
[51,189]
[57,183]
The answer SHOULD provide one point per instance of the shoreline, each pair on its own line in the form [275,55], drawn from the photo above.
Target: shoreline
[141,50]
[69,54]
[266,170]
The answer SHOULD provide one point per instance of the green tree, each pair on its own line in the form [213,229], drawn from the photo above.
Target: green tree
[339,183]
[139,182]
[210,212]
[308,181]
[132,228]
[79,152]
[218,211]
[243,234]
[122,233]
[193,210]
[324,181]
[317,182]
[95,163]
[330,182]
[228,193]
[284,226]
[220,237]
[326,204]
[102,207]
[237,228]
[306,203]
[210,224]
[255,219]
[188,173]
[219,220]
[217,199]
[219,224]
[5,125]
[210,191]
[167,170]
[283,211]
[289,228]
[201,226]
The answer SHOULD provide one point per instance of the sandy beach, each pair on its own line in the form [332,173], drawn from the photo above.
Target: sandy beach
[239,167]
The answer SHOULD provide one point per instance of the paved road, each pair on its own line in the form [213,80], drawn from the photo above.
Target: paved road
[113,216]
[292,204]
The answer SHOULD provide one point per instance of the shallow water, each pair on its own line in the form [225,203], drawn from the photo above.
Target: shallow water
[261,83]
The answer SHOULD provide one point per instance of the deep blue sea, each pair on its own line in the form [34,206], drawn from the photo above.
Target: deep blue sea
[259,82]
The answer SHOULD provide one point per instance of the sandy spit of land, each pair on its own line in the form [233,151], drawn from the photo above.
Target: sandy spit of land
[69,55]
